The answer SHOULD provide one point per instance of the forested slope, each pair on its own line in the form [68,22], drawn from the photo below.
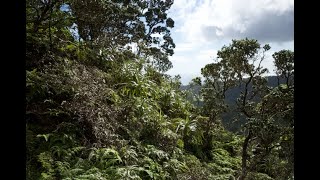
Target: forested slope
[229,118]
[98,109]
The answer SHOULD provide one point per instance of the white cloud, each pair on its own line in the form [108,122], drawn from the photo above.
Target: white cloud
[184,47]
[189,65]
[207,54]
[222,14]
[203,26]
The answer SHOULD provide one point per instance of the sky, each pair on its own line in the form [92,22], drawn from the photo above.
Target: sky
[202,27]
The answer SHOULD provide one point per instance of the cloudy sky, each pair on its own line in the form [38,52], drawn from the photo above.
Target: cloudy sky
[202,27]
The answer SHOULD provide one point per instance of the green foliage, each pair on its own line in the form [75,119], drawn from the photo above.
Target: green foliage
[196,170]
[47,164]
[258,176]
[97,109]
[284,62]
[268,110]
[124,24]
[154,128]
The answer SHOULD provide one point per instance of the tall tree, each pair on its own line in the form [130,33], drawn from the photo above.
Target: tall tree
[269,112]
[47,29]
[117,23]
[238,64]
[283,60]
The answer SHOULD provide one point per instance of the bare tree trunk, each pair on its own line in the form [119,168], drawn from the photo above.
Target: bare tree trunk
[245,145]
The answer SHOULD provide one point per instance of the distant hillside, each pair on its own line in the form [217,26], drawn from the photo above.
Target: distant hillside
[231,97]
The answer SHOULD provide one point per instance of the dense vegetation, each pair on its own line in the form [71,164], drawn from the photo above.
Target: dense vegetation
[230,119]
[100,106]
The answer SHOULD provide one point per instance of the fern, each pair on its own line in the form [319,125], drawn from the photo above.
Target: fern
[47,165]
[156,154]
[104,157]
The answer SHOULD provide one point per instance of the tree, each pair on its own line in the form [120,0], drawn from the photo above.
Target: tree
[47,30]
[114,24]
[193,93]
[239,64]
[273,129]
[283,60]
